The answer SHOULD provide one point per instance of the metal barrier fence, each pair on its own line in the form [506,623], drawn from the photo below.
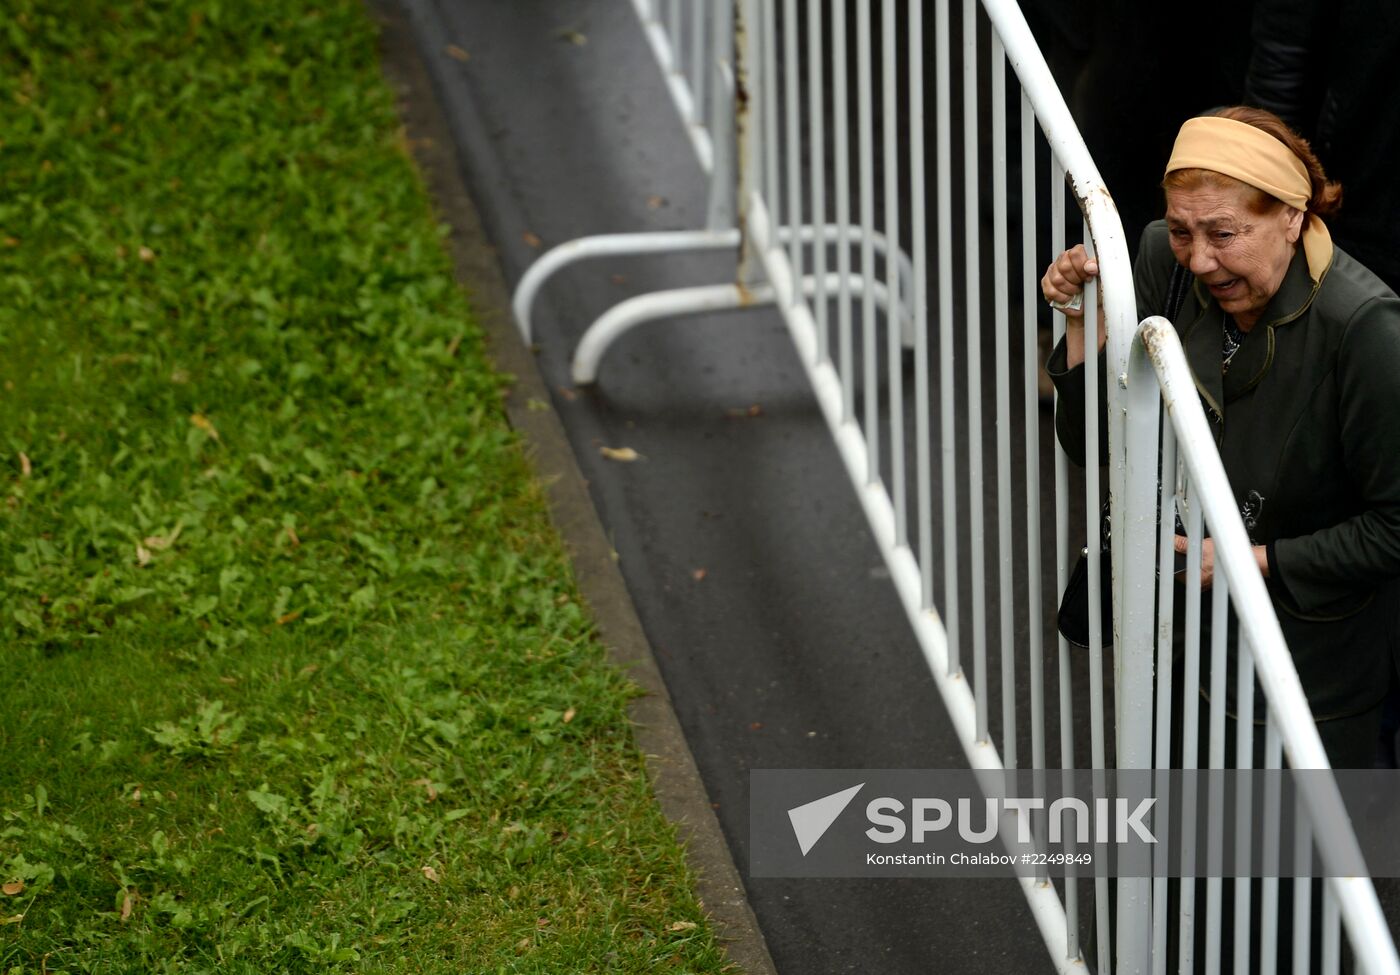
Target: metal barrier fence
[833,229]
[1191,481]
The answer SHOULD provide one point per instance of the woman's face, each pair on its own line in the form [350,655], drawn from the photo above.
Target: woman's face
[1239,255]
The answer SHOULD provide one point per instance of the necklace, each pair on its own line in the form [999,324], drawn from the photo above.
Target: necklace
[1233,337]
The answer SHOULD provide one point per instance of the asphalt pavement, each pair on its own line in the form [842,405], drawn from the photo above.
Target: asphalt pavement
[737,531]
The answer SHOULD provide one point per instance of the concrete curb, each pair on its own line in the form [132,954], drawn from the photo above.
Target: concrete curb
[674,777]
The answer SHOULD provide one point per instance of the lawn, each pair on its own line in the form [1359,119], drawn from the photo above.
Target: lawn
[295,674]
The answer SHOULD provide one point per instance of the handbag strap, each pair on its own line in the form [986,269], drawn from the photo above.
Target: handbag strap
[1177,287]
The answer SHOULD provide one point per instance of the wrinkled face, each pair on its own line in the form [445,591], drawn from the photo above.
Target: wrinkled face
[1239,255]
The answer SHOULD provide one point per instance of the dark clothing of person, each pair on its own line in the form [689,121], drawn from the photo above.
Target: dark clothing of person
[1307,422]
[1331,70]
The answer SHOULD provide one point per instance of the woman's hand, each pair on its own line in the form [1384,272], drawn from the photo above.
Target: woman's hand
[1261,559]
[1066,276]
[1064,280]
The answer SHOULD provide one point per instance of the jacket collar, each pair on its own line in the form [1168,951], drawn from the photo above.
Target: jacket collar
[1256,355]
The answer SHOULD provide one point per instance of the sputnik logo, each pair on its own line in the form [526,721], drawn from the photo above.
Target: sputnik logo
[811,820]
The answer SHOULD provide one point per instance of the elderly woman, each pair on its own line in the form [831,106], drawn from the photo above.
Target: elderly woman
[1295,349]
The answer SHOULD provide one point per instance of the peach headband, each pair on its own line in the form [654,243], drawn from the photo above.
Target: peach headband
[1252,156]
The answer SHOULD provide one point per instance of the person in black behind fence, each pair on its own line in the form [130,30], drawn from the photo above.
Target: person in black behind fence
[1295,348]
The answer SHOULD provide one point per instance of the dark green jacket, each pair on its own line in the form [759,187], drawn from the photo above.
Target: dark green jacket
[1307,421]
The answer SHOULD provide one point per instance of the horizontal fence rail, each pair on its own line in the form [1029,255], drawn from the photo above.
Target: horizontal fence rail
[893,177]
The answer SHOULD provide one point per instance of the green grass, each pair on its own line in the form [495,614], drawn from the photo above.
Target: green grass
[294,674]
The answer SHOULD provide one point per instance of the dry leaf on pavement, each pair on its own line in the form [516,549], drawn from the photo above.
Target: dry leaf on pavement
[625,455]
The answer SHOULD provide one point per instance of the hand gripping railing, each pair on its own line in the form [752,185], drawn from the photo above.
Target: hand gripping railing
[1193,483]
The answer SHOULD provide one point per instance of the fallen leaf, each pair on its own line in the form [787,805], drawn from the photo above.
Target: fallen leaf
[427,785]
[568,393]
[25,468]
[286,618]
[146,254]
[698,574]
[159,543]
[293,537]
[202,421]
[531,240]
[308,670]
[11,241]
[570,714]
[432,875]
[12,888]
[126,906]
[681,926]
[743,411]
[180,377]
[655,202]
[571,36]
[542,922]
[756,726]
[143,555]
[12,919]
[625,455]
[456,53]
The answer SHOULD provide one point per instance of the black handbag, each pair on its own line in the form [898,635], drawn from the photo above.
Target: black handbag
[1073,617]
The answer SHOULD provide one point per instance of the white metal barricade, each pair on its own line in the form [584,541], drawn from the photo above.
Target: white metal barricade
[833,229]
[1192,484]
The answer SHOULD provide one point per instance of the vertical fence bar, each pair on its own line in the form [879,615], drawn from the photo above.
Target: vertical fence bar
[869,354]
[1331,932]
[1002,317]
[1268,895]
[1166,521]
[972,267]
[894,313]
[722,121]
[771,127]
[1244,819]
[1062,556]
[794,145]
[1302,890]
[918,216]
[749,79]
[1220,607]
[1091,506]
[1035,643]
[816,122]
[841,122]
[946,326]
[1190,727]
[698,93]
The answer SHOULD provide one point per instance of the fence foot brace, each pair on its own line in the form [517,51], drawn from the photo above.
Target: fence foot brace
[675,241]
[608,245]
[658,305]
